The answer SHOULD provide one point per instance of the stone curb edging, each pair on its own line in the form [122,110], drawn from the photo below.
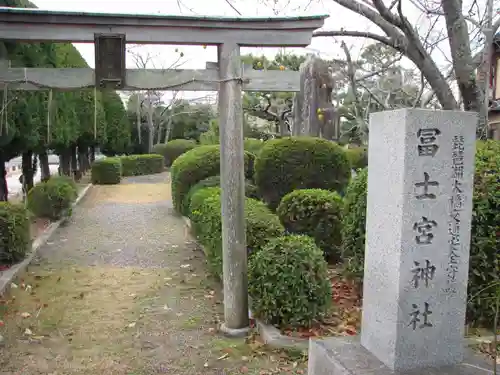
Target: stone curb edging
[9,275]
[273,337]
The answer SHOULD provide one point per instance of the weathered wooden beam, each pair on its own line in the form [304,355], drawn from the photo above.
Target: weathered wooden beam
[43,25]
[234,249]
[146,79]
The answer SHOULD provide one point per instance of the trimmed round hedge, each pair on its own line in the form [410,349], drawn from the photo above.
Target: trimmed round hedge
[192,167]
[316,213]
[173,149]
[260,223]
[253,145]
[107,171]
[353,225]
[288,282]
[68,180]
[484,263]
[15,236]
[139,165]
[292,163]
[51,199]
[214,181]
[358,157]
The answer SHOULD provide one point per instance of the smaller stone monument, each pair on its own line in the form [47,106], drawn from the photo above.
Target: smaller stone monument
[419,211]
[313,111]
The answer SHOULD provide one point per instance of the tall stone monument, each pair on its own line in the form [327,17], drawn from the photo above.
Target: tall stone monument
[419,210]
[313,111]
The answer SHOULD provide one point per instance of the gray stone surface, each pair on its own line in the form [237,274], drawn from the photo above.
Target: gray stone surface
[346,356]
[316,85]
[417,242]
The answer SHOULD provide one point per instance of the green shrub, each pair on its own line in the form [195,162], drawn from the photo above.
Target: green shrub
[253,145]
[288,282]
[214,181]
[173,149]
[316,213]
[107,171]
[358,157]
[51,199]
[353,225]
[292,163]
[261,225]
[139,165]
[192,167]
[484,264]
[14,233]
[69,181]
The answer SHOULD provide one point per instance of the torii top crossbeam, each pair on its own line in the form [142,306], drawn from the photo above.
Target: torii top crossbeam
[61,26]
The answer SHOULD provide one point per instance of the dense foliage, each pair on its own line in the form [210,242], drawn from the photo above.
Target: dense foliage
[260,223]
[288,282]
[192,167]
[484,266]
[139,165]
[72,132]
[51,199]
[358,157]
[287,164]
[15,241]
[106,171]
[316,213]
[214,181]
[173,149]
[353,224]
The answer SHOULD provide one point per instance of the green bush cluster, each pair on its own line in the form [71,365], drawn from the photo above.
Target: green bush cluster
[316,213]
[358,157]
[173,149]
[192,167]
[51,199]
[106,171]
[292,163]
[288,282]
[139,165]
[214,181]
[260,224]
[484,263]
[353,224]
[15,236]
[253,145]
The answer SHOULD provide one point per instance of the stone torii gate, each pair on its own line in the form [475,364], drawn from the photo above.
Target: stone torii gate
[111,32]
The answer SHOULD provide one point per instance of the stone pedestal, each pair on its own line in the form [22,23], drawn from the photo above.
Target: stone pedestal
[346,356]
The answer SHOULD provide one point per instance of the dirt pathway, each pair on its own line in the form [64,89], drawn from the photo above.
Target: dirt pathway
[122,289]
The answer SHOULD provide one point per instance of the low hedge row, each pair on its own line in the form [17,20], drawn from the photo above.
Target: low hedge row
[106,171]
[109,171]
[194,166]
[261,224]
[15,239]
[139,165]
[173,149]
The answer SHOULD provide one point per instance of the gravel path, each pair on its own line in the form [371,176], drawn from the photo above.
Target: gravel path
[121,289]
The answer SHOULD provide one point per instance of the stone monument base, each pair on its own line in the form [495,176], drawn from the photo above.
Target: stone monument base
[346,356]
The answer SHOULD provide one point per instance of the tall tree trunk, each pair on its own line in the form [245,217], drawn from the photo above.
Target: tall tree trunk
[4,193]
[43,158]
[65,162]
[92,154]
[151,127]
[74,162]
[82,160]
[28,173]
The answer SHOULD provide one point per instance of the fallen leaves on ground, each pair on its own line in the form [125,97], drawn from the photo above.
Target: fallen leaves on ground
[345,317]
